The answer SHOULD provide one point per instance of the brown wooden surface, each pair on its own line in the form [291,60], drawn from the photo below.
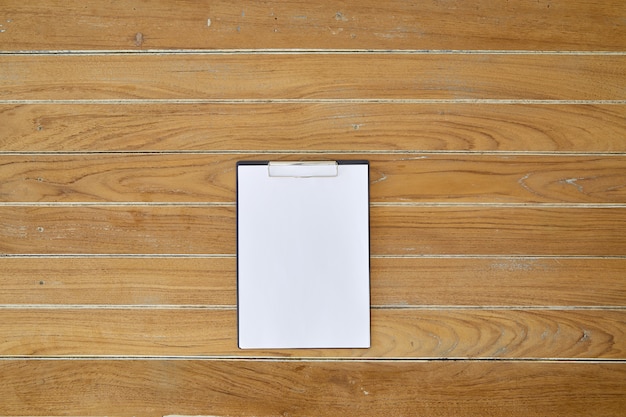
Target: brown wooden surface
[395,281]
[396,333]
[135,25]
[419,178]
[438,127]
[374,388]
[313,76]
[495,132]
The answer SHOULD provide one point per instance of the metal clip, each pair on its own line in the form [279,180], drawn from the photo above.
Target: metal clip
[303,169]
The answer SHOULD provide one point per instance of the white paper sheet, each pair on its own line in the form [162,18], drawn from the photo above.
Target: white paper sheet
[303,255]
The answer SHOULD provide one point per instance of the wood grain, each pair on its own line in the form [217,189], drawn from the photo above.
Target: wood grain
[134,25]
[394,178]
[313,126]
[497,231]
[314,76]
[542,334]
[115,281]
[394,230]
[505,282]
[496,133]
[262,388]
[183,230]
[498,281]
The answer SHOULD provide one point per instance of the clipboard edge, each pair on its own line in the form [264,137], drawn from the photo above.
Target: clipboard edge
[339,162]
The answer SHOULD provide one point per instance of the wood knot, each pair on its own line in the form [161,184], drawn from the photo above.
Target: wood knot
[139,39]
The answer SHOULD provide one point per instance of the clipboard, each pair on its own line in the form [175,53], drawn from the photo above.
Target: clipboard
[303,273]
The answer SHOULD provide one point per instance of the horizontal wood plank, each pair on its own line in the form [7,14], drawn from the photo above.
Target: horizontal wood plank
[394,281]
[181,230]
[313,126]
[395,334]
[498,281]
[120,281]
[260,388]
[394,230]
[135,25]
[393,178]
[496,231]
[314,76]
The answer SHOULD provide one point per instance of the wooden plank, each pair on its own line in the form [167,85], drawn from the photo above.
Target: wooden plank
[126,281]
[395,281]
[260,388]
[496,231]
[396,333]
[314,76]
[498,281]
[313,126]
[398,177]
[407,230]
[134,25]
[128,229]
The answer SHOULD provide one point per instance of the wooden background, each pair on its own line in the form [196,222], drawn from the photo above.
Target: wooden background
[496,132]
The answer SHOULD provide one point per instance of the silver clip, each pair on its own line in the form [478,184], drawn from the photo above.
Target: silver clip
[303,169]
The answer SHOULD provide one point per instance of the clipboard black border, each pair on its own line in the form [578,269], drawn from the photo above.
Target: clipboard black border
[369,238]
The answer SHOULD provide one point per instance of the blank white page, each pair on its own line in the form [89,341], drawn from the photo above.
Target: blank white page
[303,255]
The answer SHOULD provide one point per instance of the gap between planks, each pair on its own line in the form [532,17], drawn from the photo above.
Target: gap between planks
[296,152]
[298,51]
[361,359]
[386,204]
[312,101]
[234,307]
[232,255]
